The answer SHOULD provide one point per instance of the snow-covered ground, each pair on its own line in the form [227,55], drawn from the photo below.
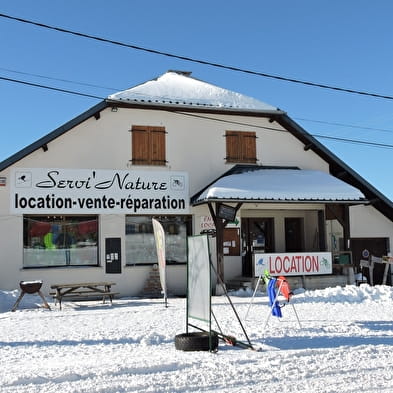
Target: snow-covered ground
[344,344]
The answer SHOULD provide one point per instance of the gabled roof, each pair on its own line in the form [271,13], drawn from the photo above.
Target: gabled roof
[175,90]
[179,88]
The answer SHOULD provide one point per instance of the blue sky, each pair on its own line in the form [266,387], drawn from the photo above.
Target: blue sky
[339,43]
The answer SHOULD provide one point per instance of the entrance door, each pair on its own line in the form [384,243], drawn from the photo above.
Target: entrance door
[294,239]
[257,236]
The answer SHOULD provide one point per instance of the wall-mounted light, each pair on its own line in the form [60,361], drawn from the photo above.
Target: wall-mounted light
[114,109]
[44,147]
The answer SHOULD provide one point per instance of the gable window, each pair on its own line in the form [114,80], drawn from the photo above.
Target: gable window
[241,146]
[148,145]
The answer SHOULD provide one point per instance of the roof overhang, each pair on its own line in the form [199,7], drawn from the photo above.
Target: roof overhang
[279,185]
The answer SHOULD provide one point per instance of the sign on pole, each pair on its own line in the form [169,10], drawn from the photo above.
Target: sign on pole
[159,236]
[199,279]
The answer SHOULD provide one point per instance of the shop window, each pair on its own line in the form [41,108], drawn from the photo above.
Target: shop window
[140,244]
[50,241]
[148,145]
[334,236]
[241,146]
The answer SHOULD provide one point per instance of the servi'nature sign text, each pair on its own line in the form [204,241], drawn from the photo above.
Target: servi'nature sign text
[99,191]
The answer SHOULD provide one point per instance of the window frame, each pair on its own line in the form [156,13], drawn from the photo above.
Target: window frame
[48,246]
[147,228]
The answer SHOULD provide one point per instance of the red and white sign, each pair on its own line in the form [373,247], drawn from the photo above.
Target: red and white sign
[293,264]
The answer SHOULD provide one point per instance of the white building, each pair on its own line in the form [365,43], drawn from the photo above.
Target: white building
[76,205]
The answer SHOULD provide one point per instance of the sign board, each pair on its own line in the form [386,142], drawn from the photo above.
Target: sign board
[293,264]
[226,212]
[113,255]
[199,278]
[98,191]
[207,223]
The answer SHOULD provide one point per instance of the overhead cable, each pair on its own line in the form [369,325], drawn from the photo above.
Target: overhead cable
[58,79]
[201,116]
[330,123]
[199,61]
[50,88]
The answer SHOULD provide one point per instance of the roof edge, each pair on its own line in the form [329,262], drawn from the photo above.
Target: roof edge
[52,135]
[337,167]
[285,201]
[177,106]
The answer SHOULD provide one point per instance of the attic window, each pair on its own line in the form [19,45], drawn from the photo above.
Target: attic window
[241,147]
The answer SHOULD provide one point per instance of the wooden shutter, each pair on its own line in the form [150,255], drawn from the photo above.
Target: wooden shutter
[249,149]
[140,145]
[241,146]
[232,142]
[148,145]
[157,143]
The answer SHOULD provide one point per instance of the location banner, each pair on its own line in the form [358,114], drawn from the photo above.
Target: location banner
[293,264]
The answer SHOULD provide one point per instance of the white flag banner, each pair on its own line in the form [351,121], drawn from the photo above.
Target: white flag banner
[159,236]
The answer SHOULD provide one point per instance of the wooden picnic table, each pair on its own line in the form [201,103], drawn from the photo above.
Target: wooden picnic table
[83,290]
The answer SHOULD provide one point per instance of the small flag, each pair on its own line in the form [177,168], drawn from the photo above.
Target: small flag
[274,304]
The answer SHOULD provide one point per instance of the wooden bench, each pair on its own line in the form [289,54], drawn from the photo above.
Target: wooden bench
[83,290]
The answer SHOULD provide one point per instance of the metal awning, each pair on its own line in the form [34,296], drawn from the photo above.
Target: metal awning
[279,185]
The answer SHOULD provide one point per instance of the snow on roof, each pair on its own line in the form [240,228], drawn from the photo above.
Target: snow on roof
[178,88]
[281,185]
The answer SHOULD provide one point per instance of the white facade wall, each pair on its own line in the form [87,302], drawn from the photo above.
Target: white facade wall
[366,221]
[195,145]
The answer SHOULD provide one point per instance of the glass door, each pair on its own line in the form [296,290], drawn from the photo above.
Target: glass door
[257,237]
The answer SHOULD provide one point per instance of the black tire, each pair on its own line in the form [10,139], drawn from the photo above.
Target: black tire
[196,341]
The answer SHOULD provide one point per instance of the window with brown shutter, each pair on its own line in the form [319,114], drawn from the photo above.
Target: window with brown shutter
[241,146]
[148,145]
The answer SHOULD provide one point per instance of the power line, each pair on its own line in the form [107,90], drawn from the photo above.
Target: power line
[345,125]
[50,88]
[58,79]
[199,61]
[373,144]
[355,141]
[118,89]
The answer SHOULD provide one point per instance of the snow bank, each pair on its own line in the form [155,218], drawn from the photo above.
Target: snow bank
[344,344]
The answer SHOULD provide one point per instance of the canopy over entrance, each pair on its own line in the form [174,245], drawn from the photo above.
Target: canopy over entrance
[257,184]
[265,184]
